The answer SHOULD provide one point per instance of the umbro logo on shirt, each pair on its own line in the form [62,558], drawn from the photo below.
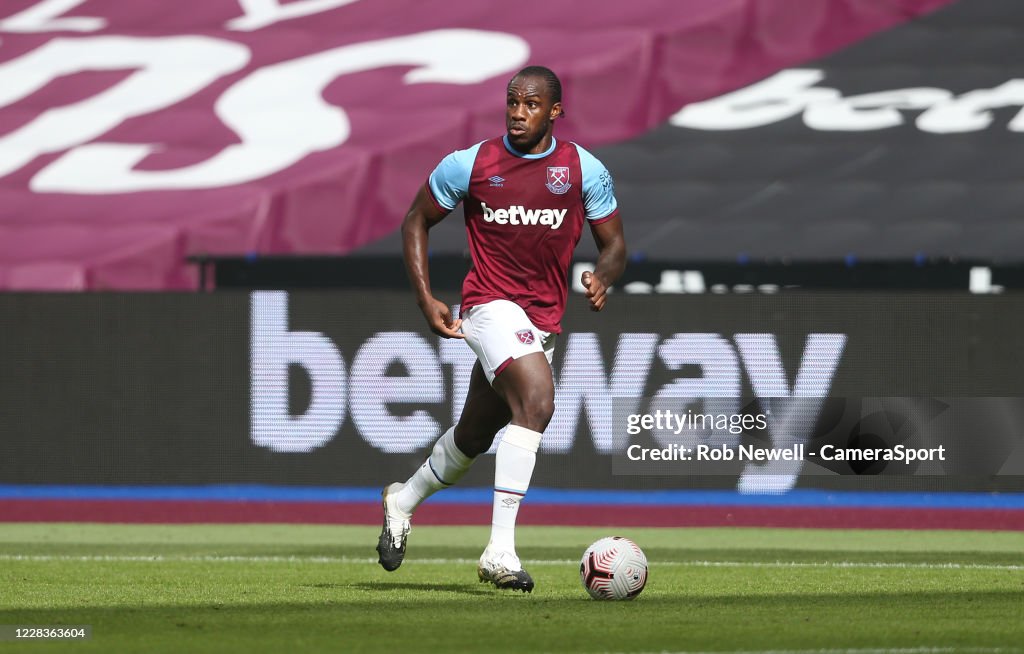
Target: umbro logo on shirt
[496,181]
[519,215]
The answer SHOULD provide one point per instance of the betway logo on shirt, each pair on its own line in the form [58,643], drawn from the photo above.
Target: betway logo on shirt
[519,215]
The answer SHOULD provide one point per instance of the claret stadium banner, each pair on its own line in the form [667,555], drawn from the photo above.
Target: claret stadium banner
[347,388]
[133,133]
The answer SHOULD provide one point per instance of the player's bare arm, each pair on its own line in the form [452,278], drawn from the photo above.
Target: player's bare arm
[423,215]
[611,261]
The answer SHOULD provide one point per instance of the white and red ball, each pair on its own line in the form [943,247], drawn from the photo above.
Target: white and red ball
[614,568]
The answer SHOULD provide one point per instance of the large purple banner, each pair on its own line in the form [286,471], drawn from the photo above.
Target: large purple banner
[133,134]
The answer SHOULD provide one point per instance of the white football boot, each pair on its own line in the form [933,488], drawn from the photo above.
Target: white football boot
[503,569]
[393,536]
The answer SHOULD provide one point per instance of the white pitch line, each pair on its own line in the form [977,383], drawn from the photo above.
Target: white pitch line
[879,650]
[846,564]
[461,561]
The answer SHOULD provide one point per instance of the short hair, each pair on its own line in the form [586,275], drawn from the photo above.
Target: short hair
[553,83]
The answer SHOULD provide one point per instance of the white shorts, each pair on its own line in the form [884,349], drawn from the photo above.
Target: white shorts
[499,332]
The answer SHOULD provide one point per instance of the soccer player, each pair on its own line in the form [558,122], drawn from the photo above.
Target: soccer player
[526,198]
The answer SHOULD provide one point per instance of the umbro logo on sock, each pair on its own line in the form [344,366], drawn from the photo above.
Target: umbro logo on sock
[510,502]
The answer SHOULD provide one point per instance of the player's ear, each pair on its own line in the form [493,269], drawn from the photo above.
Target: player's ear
[557,111]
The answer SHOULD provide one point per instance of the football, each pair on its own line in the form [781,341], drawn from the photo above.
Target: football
[614,568]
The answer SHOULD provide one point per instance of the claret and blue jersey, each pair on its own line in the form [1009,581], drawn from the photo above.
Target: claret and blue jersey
[524,216]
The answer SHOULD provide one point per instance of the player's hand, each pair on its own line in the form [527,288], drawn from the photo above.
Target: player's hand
[597,292]
[439,317]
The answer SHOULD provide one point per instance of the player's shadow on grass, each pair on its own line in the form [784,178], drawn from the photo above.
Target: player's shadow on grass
[378,586]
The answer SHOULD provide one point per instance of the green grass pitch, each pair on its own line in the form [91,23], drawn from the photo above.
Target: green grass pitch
[297,589]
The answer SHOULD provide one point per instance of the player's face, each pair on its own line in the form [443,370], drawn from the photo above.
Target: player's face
[529,114]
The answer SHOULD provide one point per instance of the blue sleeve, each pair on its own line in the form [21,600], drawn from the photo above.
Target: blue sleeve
[598,188]
[449,182]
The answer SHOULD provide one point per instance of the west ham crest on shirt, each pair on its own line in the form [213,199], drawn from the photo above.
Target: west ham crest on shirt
[558,179]
[525,336]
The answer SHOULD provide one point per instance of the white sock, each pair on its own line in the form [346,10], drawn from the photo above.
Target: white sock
[513,468]
[445,466]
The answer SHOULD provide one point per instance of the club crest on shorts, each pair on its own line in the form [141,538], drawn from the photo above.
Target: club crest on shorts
[558,179]
[525,336]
